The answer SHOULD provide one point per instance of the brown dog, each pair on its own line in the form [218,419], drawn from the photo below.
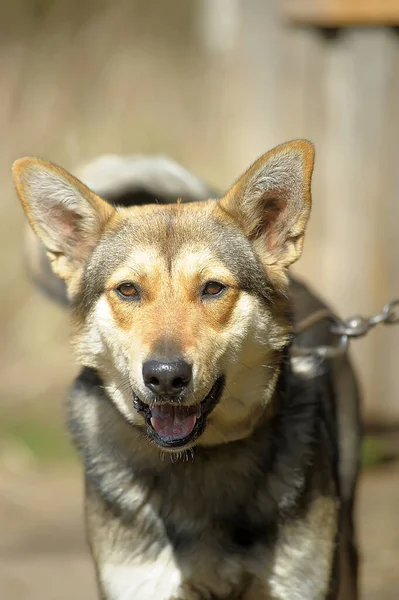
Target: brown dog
[213,469]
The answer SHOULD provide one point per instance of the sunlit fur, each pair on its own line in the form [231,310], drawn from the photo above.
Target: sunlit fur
[236,334]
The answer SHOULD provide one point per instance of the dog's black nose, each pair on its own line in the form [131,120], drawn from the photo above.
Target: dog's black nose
[167,378]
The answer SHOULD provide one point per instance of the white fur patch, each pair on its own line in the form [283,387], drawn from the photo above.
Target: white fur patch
[159,580]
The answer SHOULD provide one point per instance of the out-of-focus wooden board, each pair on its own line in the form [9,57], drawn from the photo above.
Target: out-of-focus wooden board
[341,13]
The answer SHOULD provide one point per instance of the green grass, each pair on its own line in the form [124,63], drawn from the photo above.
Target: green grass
[46,442]
[374,452]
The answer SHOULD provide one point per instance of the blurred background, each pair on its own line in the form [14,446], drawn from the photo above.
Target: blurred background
[213,84]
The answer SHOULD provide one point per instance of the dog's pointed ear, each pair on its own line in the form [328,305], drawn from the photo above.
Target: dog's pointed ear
[67,217]
[272,201]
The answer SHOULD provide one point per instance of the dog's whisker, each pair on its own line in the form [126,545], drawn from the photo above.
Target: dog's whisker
[244,365]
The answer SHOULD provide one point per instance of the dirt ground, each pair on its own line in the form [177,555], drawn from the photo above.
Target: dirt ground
[43,554]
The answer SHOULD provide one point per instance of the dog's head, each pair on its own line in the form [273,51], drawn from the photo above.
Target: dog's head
[182,308]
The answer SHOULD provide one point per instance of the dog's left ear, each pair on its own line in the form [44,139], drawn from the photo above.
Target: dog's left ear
[272,200]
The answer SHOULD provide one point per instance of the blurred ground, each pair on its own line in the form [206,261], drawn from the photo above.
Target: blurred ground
[43,554]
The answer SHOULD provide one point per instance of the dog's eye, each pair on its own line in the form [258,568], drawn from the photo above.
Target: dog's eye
[128,290]
[213,288]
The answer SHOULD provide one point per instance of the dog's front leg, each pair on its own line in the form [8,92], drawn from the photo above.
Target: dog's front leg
[133,560]
[303,563]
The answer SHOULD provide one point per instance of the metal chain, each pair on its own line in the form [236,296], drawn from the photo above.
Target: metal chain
[353,327]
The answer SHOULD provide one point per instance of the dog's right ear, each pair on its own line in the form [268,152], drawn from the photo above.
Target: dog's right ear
[67,217]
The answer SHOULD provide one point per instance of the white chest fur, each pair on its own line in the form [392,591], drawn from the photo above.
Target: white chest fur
[145,581]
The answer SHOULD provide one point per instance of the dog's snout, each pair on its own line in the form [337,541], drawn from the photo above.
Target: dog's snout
[167,378]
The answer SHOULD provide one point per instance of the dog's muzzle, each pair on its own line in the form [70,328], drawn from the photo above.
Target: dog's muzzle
[174,425]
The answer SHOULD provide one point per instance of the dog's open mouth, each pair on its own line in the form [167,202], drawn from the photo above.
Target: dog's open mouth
[176,425]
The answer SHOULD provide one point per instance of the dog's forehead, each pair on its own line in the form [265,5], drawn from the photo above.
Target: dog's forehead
[171,227]
[178,236]
[170,234]
[190,260]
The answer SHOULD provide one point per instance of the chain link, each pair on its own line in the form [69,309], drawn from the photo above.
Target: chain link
[354,327]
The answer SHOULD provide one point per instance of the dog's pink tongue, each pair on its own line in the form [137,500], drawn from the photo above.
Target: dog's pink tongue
[173,422]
